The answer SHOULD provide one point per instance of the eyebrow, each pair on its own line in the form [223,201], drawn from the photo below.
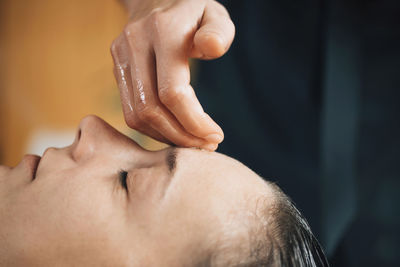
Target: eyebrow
[171,160]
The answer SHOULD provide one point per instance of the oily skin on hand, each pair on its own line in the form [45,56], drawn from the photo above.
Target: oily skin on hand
[74,211]
[152,69]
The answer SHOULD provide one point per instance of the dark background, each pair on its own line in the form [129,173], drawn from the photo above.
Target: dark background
[308,96]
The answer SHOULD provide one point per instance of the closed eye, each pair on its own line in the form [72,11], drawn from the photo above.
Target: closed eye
[123,175]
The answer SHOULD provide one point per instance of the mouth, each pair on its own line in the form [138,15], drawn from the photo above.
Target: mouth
[32,163]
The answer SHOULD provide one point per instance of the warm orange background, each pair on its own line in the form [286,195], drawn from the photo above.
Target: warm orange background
[56,68]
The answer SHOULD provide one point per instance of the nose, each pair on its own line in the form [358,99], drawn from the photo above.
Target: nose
[93,125]
[3,169]
[94,135]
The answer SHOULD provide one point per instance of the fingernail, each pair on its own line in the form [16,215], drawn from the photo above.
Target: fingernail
[210,147]
[214,138]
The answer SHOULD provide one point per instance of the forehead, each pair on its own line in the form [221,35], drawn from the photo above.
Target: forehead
[218,193]
[218,168]
[224,181]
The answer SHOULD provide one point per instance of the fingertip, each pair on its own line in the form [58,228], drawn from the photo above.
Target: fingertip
[211,45]
[214,138]
[210,147]
[217,134]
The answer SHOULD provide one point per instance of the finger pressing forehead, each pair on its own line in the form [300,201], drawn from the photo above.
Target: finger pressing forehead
[176,93]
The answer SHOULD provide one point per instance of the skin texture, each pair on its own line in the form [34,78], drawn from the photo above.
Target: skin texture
[73,211]
[152,69]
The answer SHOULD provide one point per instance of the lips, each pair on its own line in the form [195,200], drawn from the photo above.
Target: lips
[32,164]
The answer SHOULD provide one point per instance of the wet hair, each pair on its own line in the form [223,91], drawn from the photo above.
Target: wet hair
[288,240]
[279,237]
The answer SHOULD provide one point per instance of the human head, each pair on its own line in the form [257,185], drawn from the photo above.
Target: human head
[104,201]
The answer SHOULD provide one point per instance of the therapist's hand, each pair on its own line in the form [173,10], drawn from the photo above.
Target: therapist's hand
[151,67]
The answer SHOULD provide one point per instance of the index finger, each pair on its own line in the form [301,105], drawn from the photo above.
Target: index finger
[176,93]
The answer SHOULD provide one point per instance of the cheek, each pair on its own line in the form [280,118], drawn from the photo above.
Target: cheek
[80,205]
[65,215]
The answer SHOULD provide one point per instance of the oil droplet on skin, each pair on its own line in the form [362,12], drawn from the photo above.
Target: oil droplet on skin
[141,91]
[121,70]
[123,85]
[130,106]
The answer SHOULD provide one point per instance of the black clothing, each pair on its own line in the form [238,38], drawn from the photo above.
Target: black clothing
[308,96]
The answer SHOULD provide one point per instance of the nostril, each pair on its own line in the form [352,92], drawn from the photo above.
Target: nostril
[79,134]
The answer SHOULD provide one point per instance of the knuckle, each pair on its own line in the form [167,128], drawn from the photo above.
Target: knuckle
[160,24]
[114,47]
[232,29]
[148,114]
[134,124]
[129,31]
[231,25]
[133,38]
[170,96]
[132,121]
[221,9]
[116,44]
[157,17]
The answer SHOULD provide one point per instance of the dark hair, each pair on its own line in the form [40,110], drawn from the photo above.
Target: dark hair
[278,237]
[288,240]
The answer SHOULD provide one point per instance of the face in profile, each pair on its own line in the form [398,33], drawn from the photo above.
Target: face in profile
[105,201]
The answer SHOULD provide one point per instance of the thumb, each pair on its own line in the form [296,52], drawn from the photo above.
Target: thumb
[216,33]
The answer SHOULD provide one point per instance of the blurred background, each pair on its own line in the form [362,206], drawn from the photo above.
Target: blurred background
[56,68]
[316,111]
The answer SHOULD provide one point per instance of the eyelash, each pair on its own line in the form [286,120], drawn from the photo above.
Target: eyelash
[123,176]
